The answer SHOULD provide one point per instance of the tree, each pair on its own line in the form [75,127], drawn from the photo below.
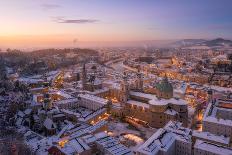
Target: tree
[32,121]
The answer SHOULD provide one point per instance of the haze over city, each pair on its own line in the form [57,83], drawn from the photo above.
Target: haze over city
[116,77]
[53,23]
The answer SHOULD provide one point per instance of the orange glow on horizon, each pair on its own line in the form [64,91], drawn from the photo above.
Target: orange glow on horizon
[84,38]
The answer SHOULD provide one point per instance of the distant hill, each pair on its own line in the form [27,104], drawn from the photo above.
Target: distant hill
[188,42]
[219,42]
[52,51]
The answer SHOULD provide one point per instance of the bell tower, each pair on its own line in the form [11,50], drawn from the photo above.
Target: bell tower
[84,76]
[139,81]
[47,104]
[124,89]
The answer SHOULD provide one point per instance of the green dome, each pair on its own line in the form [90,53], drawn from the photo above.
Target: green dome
[164,86]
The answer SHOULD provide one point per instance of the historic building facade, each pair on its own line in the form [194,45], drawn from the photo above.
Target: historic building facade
[157,109]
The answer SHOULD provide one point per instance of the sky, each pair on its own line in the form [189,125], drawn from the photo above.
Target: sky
[40,23]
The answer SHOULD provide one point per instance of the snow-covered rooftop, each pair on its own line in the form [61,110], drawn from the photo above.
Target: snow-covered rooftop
[137,103]
[213,148]
[211,115]
[153,100]
[66,101]
[93,98]
[176,101]
[111,145]
[164,138]
[49,124]
[74,146]
[211,137]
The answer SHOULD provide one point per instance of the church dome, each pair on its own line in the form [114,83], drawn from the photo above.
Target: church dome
[164,86]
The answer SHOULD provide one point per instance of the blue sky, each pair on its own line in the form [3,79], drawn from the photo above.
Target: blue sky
[114,20]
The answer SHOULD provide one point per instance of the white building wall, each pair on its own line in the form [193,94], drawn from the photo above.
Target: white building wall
[183,148]
[218,129]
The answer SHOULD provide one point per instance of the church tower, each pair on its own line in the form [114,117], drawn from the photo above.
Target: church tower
[84,76]
[47,104]
[45,79]
[124,89]
[139,81]
[164,89]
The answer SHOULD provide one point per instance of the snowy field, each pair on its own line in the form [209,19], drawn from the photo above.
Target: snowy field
[128,135]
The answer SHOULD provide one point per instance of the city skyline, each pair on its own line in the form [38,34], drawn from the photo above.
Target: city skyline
[116,77]
[69,23]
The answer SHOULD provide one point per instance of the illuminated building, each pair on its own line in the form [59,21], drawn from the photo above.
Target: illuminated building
[218,117]
[158,109]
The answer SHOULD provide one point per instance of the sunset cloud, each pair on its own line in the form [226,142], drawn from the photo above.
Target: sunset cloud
[50,6]
[73,21]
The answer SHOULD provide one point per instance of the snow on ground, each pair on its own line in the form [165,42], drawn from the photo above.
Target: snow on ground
[138,141]
[118,67]
[218,88]
[191,111]
[129,134]
[119,128]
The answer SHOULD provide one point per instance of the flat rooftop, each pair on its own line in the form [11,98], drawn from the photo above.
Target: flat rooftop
[214,110]
[213,148]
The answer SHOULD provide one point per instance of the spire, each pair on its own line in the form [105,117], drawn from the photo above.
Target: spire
[165,77]
[83,76]
[139,79]
[139,68]
[45,78]
[125,88]
[124,76]
[47,102]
